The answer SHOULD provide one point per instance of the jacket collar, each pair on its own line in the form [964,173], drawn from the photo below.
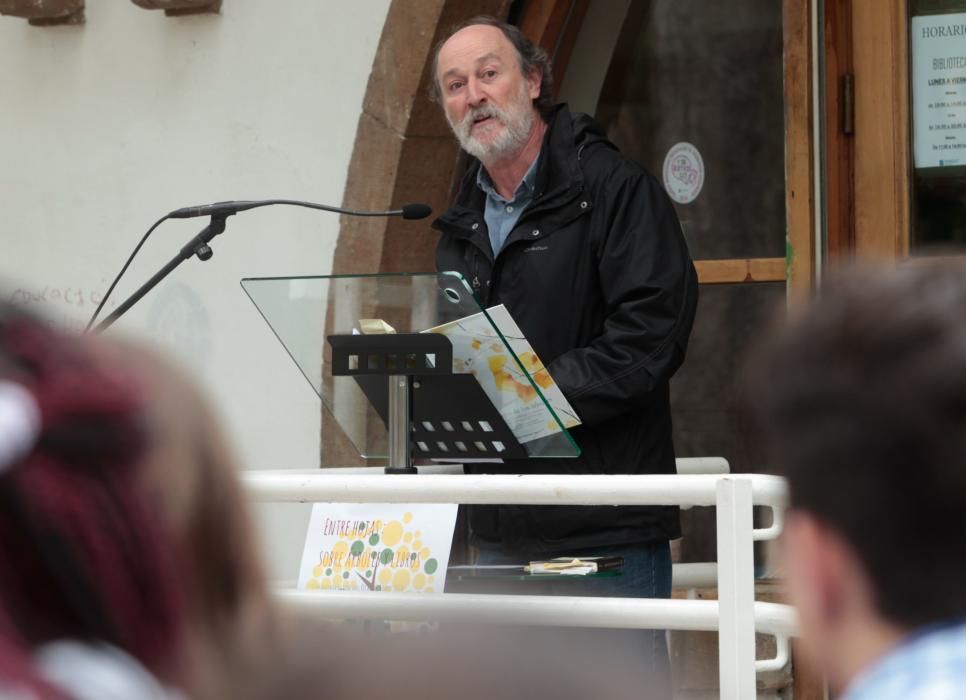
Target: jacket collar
[560,171]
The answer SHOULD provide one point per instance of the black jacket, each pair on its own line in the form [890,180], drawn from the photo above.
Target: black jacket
[597,274]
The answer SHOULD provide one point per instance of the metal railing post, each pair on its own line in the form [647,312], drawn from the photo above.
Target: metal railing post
[736,590]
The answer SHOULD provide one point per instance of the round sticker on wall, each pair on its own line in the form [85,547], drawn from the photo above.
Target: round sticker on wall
[683,172]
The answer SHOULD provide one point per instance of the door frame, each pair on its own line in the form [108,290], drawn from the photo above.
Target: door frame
[882,166]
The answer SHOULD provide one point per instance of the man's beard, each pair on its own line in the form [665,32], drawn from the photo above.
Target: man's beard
[516,120]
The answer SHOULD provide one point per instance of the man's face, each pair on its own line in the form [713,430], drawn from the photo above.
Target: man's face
[487,100]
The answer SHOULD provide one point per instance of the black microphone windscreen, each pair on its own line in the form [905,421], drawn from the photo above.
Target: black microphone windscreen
[416,211]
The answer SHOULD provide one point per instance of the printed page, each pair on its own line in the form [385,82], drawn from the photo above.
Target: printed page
[478,350]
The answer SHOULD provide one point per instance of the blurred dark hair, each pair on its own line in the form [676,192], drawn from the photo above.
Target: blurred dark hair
[861,401]
[532,58]
[82,553]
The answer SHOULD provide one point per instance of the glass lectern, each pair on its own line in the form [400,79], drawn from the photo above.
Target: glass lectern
[410,366]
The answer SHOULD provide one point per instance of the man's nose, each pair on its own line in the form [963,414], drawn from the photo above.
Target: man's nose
[474,93]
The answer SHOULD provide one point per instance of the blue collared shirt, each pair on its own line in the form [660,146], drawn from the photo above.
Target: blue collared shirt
[500,215]
[930,665]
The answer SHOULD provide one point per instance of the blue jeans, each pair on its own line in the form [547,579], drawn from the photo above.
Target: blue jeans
[646,574]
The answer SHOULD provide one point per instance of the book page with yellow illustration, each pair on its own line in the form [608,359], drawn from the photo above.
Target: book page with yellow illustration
[478,350]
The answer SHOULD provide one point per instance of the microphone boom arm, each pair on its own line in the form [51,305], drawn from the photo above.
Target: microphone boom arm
[196,246]
[408,211]
[219,212]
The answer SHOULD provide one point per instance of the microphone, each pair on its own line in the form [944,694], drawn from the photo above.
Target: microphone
[219,211]
[408,211]
[415,211]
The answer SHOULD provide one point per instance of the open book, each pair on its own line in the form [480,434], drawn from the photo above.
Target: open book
[478,350]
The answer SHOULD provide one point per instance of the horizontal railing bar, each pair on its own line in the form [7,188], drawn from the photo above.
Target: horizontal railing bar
[529,489]
[683,576]
[552,611]
[684,465]
[702,465]
[694,575]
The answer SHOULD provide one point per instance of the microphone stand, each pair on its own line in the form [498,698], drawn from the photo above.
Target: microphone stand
[196,246]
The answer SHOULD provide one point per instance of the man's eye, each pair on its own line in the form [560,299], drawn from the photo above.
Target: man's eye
[456,85]
[489,74]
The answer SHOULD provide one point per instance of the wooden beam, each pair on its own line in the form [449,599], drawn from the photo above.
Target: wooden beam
[839,90]
[554,25]
[542,20]
[799,172]
[882,185]
[739,271]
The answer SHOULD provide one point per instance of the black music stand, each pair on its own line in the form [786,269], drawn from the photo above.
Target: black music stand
[409,380]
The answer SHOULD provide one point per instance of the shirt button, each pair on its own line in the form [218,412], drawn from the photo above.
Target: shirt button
[509,209]
[475,226]
[535,232]
[583,205]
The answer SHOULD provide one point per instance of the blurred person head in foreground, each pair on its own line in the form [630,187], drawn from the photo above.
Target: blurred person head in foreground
[127,570]
[88,577]
[191,473]
[861,402]
[123,530]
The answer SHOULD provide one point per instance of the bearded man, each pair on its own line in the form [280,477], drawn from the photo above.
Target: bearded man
[584,249]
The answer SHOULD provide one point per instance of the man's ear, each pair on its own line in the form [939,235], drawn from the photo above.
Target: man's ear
[533,83]
[818,563]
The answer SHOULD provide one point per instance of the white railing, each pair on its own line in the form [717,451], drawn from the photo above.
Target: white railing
[735,615]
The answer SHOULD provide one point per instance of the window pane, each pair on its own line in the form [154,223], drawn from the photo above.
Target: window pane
[938,113]
[708,74]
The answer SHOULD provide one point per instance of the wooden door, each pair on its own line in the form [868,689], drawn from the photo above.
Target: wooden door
[906,203]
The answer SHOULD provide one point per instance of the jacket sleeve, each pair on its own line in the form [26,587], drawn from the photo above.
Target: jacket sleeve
[650,291]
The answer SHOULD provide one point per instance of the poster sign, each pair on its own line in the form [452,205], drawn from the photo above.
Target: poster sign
[401,547]
[683,172]
[939,90]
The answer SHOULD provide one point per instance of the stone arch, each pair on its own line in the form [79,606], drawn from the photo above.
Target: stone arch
[400,132]
[404,151]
